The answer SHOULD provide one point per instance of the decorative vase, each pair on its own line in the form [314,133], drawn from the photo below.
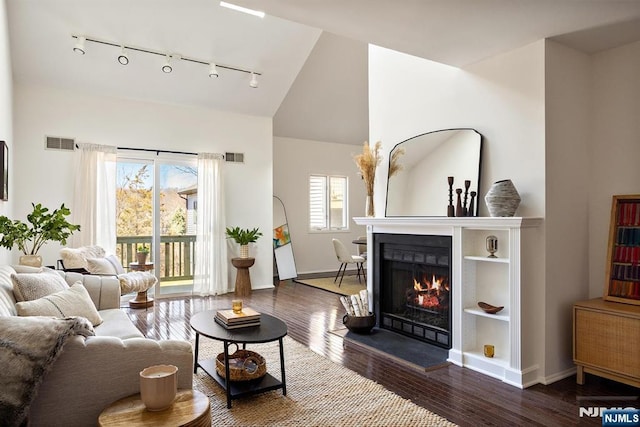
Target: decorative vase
[369,210]
[158,386]
[244,251]
[502,199]
[31,260]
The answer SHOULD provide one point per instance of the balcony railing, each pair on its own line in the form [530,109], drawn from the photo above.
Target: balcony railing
[176,254]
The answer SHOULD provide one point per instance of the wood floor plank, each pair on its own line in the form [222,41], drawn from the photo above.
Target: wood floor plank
[461,395]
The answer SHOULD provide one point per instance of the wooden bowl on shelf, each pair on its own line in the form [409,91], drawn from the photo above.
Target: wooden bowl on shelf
[488,308]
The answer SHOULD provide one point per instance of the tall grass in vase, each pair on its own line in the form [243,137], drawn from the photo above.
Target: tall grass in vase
[368,162]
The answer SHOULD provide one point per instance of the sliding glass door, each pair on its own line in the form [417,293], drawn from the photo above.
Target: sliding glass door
[157,208]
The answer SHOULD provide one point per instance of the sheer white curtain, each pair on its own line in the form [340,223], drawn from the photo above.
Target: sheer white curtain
[210,276]
[94,198]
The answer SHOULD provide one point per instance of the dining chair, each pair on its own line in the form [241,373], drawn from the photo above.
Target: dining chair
[362,249]
[345,258]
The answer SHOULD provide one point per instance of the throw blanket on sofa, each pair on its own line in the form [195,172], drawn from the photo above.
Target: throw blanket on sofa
[28,348]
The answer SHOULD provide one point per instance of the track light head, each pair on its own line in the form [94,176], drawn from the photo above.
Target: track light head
[254,81]
[79,46]
[123,58]
[213,71]
[167,68]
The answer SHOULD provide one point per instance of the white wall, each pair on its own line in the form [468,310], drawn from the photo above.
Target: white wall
[293,161]
[615,147]
[502,98]
[567,93]
[46,176]
[6,114]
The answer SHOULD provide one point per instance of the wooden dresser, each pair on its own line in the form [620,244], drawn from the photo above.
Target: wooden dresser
[606,340]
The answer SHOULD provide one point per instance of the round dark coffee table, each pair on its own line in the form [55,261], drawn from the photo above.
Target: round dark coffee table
[270,329]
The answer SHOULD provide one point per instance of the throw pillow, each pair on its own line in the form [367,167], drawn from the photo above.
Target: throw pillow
[74,301]
[77,258]
[31,286]
[26,269]
[105,266]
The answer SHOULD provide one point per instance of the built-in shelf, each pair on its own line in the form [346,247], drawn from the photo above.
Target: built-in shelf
[486,259]
[503,315]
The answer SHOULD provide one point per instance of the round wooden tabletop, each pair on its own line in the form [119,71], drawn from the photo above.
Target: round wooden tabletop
[270,329]
[191,409]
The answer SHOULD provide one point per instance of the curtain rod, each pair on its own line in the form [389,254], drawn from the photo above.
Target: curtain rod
[149,150]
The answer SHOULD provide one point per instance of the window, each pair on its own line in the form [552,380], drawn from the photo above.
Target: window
[328,201]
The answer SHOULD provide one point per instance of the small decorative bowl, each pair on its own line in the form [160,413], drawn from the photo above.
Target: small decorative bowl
[488,308]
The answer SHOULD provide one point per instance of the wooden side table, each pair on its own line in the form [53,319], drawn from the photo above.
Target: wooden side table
[141,300]
[190,409]
[243,279]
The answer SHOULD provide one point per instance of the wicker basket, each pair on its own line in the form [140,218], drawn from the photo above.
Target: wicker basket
[244,365]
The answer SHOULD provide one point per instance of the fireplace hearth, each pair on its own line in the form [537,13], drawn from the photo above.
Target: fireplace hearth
[412,288]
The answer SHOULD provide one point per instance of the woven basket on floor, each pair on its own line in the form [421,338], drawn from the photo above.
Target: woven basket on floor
[245,365]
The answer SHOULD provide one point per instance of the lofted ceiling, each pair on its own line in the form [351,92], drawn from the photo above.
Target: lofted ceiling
[314,84]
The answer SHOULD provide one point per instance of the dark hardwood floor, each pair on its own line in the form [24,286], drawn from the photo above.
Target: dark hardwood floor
[461,395]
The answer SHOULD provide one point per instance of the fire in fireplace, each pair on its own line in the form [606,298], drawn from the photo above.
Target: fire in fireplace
[411,286]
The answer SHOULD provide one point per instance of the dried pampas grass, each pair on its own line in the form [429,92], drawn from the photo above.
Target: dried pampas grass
[367,162]
[394,163]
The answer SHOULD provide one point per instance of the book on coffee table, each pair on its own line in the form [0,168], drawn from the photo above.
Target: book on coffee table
[230,320]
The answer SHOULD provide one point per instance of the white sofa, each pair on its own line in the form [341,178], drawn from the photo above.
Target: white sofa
[93,372]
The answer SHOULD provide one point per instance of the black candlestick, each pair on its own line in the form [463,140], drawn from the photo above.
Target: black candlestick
[459,205]
[450,211]
[472,206]
[467,184]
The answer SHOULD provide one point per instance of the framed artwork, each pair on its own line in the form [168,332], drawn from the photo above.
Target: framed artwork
[623,257]
[281,236]
[4,178]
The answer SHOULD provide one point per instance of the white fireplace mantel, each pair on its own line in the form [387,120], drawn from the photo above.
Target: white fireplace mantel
[476,277]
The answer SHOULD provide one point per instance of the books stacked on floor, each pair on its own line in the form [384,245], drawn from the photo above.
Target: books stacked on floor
[246,318]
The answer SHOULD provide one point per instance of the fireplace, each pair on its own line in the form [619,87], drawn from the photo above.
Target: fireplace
[412,288]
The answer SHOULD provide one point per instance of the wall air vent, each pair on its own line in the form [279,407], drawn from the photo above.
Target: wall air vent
[234,157]
[58,143]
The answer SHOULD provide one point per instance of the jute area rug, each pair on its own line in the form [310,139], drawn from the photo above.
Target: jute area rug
[319,393]
[349,286]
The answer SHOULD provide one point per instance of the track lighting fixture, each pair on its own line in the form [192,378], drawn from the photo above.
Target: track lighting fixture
[123,58]
[213,71]
[167,67]
[79,47]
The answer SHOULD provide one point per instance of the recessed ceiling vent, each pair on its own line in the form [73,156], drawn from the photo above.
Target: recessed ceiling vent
[58,143]
[234,157]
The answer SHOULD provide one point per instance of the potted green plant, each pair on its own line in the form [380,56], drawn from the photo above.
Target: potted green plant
[244,236]
[142,253]
[42,226]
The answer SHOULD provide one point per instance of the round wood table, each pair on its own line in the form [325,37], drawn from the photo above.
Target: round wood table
[191,409]
[243,279]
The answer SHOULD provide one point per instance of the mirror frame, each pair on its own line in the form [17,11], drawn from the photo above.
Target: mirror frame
[478,195]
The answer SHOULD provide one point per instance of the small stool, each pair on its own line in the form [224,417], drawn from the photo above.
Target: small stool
[140,282]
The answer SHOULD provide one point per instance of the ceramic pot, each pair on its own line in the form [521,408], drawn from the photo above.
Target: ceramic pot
[502,199]
[31,260]
[141,257]
[158,386]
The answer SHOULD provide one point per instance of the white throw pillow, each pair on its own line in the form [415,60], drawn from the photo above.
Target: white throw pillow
[31,286]
[107,265]
[74,301]
[77,258]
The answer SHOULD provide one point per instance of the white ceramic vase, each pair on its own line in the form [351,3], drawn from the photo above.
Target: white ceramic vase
[244,251]
[502,199]
[369,209]
[158,386]
[31,260]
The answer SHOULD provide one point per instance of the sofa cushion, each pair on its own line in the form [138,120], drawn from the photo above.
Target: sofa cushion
[117,324]
[105,266]
[32,286]
[74,301]
[7,298]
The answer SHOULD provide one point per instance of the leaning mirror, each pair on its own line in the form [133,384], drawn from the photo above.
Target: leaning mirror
[420,185]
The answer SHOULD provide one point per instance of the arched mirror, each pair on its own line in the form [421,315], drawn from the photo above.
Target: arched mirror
[282,248]
[420,186]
